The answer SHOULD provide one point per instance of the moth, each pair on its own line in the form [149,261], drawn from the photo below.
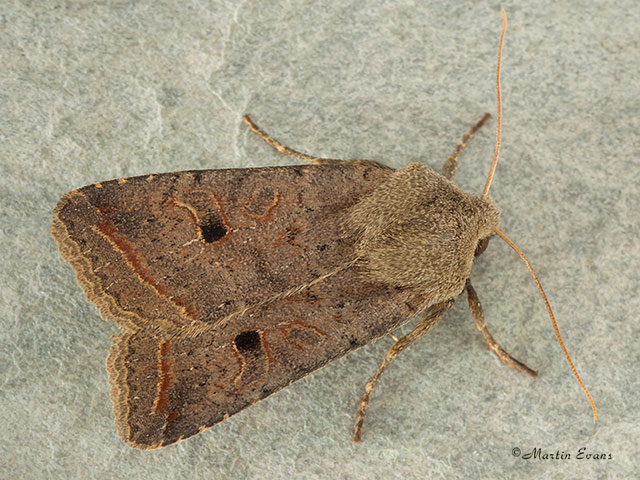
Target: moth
[229,285]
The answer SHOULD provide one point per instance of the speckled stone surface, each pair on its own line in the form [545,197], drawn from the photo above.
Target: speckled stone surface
[92,91]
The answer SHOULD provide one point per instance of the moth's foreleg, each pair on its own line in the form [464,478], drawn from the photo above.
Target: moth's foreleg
[478,313]
[272,142]
[450,166]
[436,313]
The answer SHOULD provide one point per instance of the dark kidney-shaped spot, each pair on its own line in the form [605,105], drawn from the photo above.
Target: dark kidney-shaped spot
[247,341]
[213,230]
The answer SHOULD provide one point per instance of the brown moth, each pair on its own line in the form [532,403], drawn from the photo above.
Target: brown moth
[231,284]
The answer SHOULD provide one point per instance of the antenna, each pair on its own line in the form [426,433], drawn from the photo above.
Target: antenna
[553,318]
[494,164]
[498,232]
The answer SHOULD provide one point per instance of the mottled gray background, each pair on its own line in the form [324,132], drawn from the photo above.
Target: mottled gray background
[96,90]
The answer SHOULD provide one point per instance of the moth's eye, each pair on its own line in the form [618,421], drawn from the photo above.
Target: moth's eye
[481,246]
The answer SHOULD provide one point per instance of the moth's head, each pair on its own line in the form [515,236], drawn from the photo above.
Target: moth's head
[419,230]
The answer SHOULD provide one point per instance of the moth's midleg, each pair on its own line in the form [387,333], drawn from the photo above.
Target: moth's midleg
[272,142]
[478,314]
[437,312]
[450,166]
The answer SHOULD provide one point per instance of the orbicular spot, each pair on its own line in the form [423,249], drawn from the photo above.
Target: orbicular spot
[213,229]
[260,201]
[247,341]
[303,335]
[260,205]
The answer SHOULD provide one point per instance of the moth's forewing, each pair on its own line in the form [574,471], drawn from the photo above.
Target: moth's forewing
[230,285]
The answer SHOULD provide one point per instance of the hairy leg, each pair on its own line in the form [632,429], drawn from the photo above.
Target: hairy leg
[435,314]
[272,142]
[450,166]
[478,313]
